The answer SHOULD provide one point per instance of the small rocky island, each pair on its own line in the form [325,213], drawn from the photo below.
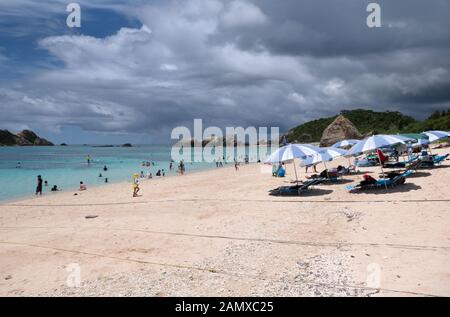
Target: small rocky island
[24,138]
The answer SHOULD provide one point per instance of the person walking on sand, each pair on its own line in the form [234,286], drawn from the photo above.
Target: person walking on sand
[136,188]
[39,185]
[236,165]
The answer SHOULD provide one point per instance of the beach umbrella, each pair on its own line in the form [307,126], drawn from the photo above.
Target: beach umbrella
[375,142]
[345,143]
[420,143]
[334,152]
[436,135]
[292,151]
[327,155]
[415,136]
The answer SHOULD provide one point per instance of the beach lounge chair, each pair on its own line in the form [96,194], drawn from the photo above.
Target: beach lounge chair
[400,164]
[417,164]
[294,190]
[437,160]
[382,183]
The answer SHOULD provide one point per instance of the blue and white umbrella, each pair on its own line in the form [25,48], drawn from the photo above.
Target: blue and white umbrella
[437,135]
[291,152]
[420,143]
[327,155]
[375,142]
[345,143]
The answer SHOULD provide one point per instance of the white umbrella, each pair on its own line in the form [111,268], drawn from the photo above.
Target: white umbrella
[420,143]
[345,143]
[436,135]
[375,142]
[291,152]
[327,155]
[335,152]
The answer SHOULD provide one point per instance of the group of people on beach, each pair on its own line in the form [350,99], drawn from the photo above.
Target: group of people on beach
[39,186]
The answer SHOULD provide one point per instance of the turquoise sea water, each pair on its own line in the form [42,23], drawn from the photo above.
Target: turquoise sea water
[66,166]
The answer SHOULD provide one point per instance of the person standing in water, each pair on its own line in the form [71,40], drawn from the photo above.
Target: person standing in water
[39,185]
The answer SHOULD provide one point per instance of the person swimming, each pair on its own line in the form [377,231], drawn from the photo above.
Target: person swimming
[105,168]
[55,188]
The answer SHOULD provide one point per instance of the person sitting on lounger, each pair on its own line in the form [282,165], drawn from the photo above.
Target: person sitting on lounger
[323,174]
[367,180]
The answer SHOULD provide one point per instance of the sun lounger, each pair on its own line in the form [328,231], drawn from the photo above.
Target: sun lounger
[439,159]
[294,190]
[382,183]
[400,164]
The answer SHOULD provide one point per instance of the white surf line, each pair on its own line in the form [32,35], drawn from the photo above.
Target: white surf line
[276,241]
[211,270]
[228,201]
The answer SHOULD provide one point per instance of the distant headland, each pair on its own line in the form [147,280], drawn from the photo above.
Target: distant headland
[24,138]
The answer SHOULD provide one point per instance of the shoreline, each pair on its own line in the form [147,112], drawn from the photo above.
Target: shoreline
[217,232]
[93,186]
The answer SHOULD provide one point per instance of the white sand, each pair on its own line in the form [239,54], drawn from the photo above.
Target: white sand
[219,233]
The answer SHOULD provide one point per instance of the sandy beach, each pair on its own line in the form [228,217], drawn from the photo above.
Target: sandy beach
[219,233]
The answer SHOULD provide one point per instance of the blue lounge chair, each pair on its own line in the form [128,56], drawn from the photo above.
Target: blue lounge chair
[401,164]
[382,183]
[439,159]
[294,190]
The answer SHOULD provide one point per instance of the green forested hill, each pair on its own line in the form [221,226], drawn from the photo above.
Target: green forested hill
[367,121]
[437,121]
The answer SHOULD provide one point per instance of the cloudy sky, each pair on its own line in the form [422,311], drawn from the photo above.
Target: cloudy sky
[137,69]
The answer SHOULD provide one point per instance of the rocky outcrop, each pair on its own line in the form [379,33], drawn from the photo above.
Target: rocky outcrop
[26,137]
[340,129]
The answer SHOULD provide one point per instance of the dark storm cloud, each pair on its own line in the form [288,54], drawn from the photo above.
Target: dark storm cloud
[242,62]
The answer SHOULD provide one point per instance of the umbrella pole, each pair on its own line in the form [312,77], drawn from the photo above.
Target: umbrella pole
[295,169]
[381,166]
[328,175]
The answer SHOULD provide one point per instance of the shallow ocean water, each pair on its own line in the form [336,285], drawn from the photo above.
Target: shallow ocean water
[66,166]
